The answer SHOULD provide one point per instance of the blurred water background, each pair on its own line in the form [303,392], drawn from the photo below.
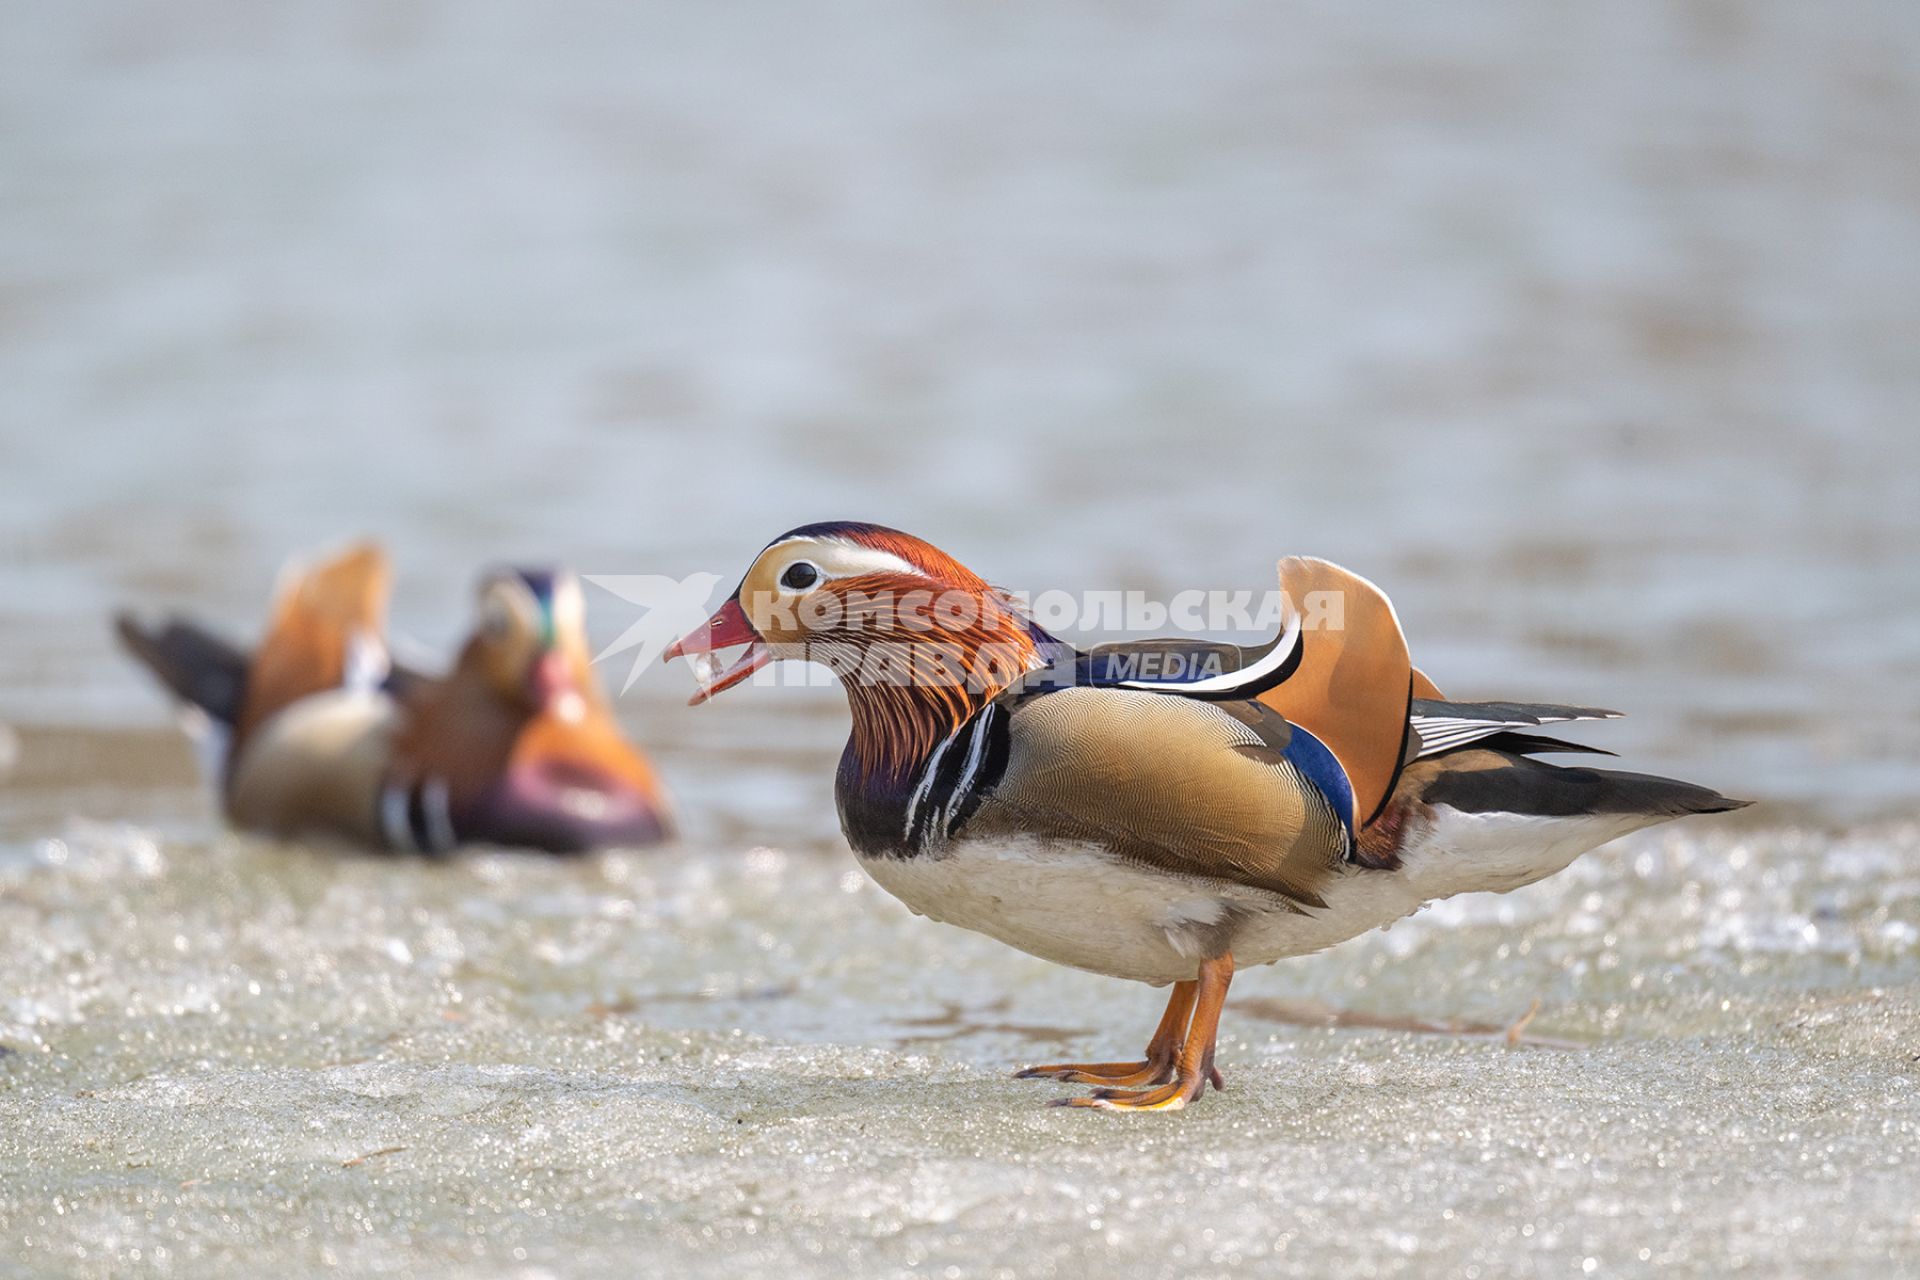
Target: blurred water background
[1589,334]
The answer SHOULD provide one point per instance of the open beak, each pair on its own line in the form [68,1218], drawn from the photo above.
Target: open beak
[724,630]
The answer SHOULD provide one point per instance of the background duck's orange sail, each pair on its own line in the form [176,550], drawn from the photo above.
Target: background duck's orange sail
[320,615]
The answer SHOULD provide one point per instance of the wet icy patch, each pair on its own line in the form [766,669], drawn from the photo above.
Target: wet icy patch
[224,1056]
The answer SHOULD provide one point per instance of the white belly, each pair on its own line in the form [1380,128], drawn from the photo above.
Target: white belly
[1077,905]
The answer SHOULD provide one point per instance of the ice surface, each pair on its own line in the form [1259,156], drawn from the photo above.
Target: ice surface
[236,1058]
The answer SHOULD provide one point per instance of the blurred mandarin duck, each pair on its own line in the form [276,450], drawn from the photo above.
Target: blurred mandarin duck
[321,733]
[1158,820]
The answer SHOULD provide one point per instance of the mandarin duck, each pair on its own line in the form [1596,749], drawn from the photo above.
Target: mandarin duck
[1163,811]
[317,731]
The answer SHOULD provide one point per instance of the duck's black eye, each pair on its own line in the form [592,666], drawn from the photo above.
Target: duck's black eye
[799,576]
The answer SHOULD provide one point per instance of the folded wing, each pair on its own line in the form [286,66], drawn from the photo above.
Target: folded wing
[1216,790]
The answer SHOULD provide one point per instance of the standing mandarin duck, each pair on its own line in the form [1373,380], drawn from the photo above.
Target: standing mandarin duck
[1166,810]
[515,745]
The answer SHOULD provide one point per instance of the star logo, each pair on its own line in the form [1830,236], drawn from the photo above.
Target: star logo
[674,606]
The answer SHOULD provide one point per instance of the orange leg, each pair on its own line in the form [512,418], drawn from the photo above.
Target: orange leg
[1162,1052]
[1194,1070]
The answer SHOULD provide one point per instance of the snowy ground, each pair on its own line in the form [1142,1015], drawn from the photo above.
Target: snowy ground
[231,1058]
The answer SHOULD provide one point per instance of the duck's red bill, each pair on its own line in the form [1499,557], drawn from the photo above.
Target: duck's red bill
[726,629]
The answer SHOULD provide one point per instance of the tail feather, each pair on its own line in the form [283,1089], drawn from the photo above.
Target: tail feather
[1535,744]
[1491,782]
[197,666]
[1510,713]
[1441,727]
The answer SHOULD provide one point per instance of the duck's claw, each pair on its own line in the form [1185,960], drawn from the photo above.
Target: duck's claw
[1157,1068]
[1171,1097]
[1118,1074]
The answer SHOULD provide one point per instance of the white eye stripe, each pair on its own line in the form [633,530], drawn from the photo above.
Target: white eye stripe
[836,559]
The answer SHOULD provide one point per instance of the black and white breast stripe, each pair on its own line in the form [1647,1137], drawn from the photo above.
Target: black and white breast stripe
[419,818]
[956,778]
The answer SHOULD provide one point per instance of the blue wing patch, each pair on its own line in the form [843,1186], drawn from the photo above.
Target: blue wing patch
[1317,765]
